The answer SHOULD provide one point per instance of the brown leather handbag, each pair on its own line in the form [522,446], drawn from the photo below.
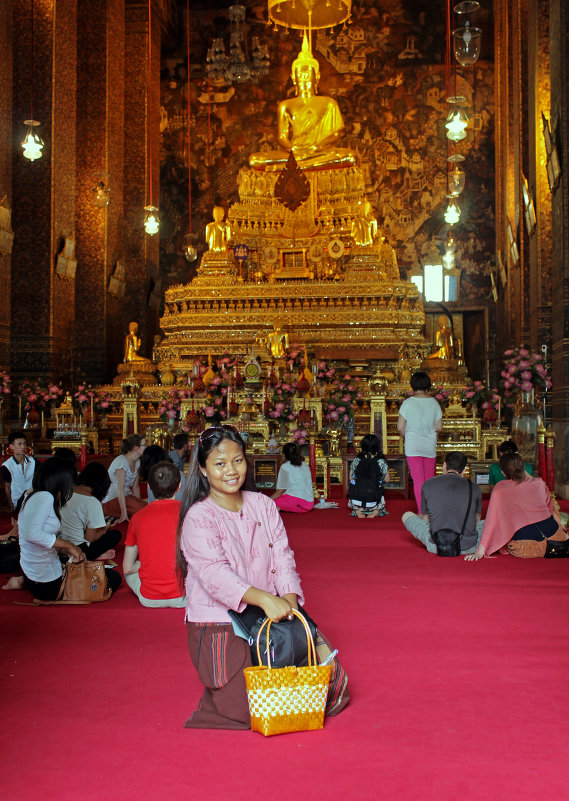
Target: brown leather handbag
[83,583]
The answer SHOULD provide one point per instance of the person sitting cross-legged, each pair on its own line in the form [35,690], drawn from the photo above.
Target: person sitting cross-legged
[82,518]
[149,562]
[444,504]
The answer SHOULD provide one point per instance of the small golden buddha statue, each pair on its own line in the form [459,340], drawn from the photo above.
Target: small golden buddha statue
[132,344]
[308,124]
[218,233]
[444,341]
[364,226]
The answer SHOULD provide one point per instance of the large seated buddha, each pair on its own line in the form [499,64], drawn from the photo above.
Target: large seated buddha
[308,124]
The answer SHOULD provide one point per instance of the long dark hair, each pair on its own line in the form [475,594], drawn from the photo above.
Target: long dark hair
[292,454]
[151,455]
[56,476]
[197,485]
[95,476]
[371,446]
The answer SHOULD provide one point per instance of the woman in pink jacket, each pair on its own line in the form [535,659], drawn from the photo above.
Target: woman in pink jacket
[232,551]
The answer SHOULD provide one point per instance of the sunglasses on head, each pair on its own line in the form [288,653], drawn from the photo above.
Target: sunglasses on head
[210,432]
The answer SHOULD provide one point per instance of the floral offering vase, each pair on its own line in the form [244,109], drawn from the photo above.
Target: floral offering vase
[525,423]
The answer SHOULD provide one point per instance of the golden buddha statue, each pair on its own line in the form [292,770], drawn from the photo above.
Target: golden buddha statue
[364,226]
[132,344]
[218,233]
[276,341]
[308,124]
[444,341]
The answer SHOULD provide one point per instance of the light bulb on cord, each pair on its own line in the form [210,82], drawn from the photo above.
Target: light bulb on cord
[101,195]
[457,119]
[32,144]
[456,181]
[452,212]
[151,220]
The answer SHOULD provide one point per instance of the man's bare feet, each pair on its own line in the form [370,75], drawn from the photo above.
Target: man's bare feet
[15,583]
[104,557]
[374,513]
[359,513]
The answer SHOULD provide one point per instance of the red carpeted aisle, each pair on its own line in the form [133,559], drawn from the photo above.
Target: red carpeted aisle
[458,677]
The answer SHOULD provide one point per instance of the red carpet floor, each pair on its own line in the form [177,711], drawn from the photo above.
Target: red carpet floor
[458,677]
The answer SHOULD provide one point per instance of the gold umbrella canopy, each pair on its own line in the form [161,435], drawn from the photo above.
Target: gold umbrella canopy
[305,14]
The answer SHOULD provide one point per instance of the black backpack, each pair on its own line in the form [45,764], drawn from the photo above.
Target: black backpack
[367,487]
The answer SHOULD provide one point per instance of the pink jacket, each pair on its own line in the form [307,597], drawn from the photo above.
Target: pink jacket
[513,506]
[228,552]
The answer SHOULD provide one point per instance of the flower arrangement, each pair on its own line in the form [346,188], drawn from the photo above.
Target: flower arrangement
[300,436]
[442,394]
[523,370]
[280,407]
[4,383]
[483,398]
[82,397]
[169,408]
[102,401]
[341,399]
[38,395]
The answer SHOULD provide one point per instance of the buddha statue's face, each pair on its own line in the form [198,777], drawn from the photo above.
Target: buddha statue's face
[305,79]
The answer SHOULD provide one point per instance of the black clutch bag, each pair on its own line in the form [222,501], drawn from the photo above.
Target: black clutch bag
[287,638]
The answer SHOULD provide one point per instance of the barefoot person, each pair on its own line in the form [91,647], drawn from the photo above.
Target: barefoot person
[233,551]
[39,523]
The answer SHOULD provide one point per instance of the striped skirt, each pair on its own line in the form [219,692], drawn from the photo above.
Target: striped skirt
[220,657]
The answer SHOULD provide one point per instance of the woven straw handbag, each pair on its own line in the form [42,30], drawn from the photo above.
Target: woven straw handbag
[287,699]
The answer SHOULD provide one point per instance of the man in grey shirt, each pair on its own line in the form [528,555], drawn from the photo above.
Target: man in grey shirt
[444,501]
[179,452]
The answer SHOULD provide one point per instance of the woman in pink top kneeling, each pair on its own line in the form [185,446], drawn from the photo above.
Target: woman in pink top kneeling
[521,517]
[233,551]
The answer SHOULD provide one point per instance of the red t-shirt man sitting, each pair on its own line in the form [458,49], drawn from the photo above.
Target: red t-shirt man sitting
[149,562]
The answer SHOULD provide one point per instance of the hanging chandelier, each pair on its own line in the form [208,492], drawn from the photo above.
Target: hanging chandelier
[309,14]
[238,67]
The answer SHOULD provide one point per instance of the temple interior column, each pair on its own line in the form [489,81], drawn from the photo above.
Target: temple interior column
[43,305]
[141,162]
[8,139]
[100,157]
[559,55]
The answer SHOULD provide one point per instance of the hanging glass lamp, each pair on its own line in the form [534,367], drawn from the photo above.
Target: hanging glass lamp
[151,220]
[467,42]
[457,119]
[452,212]
[33,143]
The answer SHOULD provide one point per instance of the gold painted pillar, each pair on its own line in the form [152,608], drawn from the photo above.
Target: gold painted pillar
[43,192]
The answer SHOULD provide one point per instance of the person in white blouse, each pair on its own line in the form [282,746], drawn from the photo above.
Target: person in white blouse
[123,498]
[39,524]
[294,491]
